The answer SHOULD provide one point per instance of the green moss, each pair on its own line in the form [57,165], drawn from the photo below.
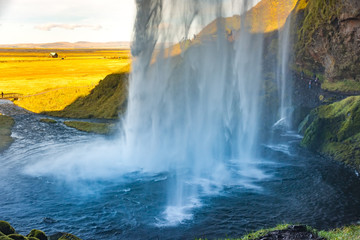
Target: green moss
[344,233]
[107,100]
[47,120]
[6,228]
[68,236]
[316,14]
[37,234]
[260,233]
[100,128]
[6,124]
[17,237]
[5,238]
[346,85]
[263,232]
[334,130]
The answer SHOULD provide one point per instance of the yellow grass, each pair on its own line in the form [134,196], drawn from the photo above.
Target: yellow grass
[49,84]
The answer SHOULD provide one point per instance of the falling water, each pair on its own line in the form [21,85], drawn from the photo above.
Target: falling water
[193,109]
[196,113]
[284,77]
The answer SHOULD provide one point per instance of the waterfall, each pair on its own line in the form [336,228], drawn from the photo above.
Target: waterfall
[195,113]
[194,105]
[283,77]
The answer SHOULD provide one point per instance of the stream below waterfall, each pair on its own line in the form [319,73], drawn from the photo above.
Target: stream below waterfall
[298,187]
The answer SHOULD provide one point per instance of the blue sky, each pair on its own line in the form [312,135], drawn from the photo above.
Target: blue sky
[42,21]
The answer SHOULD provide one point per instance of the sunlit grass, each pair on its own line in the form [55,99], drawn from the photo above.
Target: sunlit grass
[50,84]
[345,233]
[99,128]
[342,86]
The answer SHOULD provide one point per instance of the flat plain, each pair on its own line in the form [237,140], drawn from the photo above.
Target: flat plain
[39,82]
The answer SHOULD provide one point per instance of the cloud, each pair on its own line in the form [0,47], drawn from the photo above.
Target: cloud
[50,26]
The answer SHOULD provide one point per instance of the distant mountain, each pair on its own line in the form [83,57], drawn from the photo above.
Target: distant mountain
[58,45]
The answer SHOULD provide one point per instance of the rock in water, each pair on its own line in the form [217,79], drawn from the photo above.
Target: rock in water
[6,228]
[38,234]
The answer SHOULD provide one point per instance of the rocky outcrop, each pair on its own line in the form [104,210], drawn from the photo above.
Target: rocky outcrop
[328,38]
[334,130]
[7,232]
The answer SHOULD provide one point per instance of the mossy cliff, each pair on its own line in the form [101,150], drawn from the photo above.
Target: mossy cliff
[107,100]
[7,232]
[334,130]
[327,40]
[6,124]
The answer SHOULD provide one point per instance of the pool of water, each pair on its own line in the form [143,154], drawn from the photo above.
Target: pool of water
[299,187]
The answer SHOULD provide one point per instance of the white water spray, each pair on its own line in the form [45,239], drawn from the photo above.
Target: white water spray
[284,80]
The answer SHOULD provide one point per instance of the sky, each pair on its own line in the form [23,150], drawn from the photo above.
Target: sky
[44,21]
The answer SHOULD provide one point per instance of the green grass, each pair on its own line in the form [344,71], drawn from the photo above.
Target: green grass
[334,130]
[6,124]
[47,120]
[99,128]
[107,100]
[344,233]
[259,233]
[341,86]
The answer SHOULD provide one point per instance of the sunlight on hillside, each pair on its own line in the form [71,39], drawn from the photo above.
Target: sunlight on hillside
[266,16]
[42,83]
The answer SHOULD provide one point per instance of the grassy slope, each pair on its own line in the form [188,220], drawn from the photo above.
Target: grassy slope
[107,100]
[334,130]
[6,123]
[50,84]
[90,127]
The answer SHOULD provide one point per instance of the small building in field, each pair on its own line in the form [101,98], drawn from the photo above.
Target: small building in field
[53,55]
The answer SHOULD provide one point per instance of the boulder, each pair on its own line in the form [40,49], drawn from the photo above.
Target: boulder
[38,234]
[6,228]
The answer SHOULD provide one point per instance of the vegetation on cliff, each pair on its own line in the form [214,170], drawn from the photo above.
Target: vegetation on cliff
[334,130]
[326,40]
[107,100]
[7,232]
[91,127]
[6,124]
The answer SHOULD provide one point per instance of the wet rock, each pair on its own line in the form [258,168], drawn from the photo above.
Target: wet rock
[63,236]
[291,233]
[16,237]
[38,234]
[49,220]
[68,236]
[5,238]
[6,228]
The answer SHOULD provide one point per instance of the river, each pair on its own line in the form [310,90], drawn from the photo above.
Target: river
[297,187]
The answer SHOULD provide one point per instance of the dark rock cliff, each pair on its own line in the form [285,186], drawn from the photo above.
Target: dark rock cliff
[328,39]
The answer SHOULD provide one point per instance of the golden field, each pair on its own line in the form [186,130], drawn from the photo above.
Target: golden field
[42,83]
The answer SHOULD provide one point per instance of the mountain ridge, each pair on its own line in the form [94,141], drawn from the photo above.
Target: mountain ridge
[79,44]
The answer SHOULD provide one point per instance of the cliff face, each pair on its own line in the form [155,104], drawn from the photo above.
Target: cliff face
[328,39]
[334,130]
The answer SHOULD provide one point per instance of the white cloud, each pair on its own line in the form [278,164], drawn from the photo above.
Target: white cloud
[41,21]
[50,26]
